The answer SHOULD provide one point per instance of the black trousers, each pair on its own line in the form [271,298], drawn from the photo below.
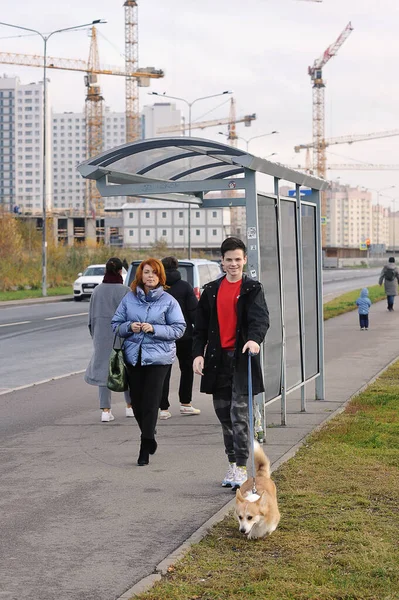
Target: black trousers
[185,358]
[145,385]
[364,321]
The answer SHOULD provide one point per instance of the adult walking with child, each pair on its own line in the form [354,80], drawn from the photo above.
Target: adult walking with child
[390,277]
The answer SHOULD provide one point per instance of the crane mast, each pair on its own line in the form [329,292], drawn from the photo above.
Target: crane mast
[94,124]
[318,84]
[131,65]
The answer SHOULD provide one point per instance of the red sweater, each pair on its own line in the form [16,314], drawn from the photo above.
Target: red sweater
[226,303]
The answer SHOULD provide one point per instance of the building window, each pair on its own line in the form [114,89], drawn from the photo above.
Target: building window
[197,214]
[181,214]
[164,232]
[164,215]
[131,215]
[131,232]
[214,213]
[147,216]
[214,232]
[180,231]
[197,232]
[147,232]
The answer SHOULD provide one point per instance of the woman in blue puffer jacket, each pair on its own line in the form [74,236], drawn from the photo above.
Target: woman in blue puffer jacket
[151,321]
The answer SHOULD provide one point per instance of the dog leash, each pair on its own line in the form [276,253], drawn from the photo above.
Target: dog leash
[251,421]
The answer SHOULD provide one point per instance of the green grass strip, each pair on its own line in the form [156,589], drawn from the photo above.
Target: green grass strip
[25,294]
[346,302]
[338,535]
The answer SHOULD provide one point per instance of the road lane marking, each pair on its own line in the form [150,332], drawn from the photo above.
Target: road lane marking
[17,323]
[66,316]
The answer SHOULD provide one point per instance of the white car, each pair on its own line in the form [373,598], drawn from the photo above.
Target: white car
[86,282]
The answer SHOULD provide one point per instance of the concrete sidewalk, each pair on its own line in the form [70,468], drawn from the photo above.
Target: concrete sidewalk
[86,523]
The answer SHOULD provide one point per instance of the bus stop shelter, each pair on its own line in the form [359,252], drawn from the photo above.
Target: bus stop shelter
[283,238]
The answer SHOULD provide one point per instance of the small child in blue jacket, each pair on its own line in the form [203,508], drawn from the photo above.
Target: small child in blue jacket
[363,304]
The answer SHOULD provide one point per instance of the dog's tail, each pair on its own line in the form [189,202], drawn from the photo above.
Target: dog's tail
[262,463]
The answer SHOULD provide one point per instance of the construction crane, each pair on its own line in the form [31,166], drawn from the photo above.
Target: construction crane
[131,65]
[94,100]
[94,124]
[318,84]
[350,139]
[247,120]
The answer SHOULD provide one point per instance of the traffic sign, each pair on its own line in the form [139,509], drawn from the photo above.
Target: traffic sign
[323,220]
[363,246]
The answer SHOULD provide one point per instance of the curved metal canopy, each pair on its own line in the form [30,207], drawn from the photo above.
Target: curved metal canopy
[182,160]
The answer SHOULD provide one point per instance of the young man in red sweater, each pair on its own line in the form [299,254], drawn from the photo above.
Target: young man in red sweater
[232,318]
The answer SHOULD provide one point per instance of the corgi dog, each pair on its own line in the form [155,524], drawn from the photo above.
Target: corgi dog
[258,514]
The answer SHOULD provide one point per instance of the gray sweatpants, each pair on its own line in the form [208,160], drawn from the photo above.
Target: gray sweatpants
[233,416]
[105,396]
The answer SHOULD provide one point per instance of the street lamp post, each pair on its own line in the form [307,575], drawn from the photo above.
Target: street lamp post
[248,140]
[190,105]
[45,39]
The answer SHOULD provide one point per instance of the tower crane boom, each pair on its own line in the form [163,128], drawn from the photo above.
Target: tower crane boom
[247,119]
[350,139]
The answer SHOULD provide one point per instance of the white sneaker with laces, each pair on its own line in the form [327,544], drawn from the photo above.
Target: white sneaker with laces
[129,411]
[106,417]
[164,414]
[241,476]
[230,476]
[189,410]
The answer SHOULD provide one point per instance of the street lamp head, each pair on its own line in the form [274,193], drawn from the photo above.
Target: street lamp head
[227,92]
[98,22]
[274,132]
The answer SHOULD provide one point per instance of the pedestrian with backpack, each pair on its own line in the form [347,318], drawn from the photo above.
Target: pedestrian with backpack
[390,277]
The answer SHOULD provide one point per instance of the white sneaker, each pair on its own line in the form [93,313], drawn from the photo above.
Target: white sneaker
[230,476]
[164,414]
[241,476]
[129,412]
[106,417]
[189,410]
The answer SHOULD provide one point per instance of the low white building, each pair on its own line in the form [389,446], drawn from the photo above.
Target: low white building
[152,221]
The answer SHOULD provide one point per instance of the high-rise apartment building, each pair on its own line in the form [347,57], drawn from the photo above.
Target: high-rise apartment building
[21,147]
[349,216]
[155,116]
[69,149]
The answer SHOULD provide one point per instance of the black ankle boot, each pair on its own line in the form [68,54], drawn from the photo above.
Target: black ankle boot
[151,445]
[144,455]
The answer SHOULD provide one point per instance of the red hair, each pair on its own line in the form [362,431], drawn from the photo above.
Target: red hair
[156,266]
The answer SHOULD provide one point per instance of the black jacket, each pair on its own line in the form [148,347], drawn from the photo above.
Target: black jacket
[252,324]
[183,292]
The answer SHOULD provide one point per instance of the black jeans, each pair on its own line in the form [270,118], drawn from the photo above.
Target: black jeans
[145,385]
[364,321]
[185,358]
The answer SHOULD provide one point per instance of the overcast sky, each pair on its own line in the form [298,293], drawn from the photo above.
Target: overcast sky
[260,49]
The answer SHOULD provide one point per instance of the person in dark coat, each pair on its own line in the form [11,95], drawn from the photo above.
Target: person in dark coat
[232,318]
[390,277]
[183,292]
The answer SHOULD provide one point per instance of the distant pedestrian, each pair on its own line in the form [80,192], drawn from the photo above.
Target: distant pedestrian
[232,319]
[184,293]
[390,277]
[104,301]
[151,321]
[363,303]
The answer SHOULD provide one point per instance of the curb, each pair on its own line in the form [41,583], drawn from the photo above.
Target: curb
[162,568]
[45,300]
